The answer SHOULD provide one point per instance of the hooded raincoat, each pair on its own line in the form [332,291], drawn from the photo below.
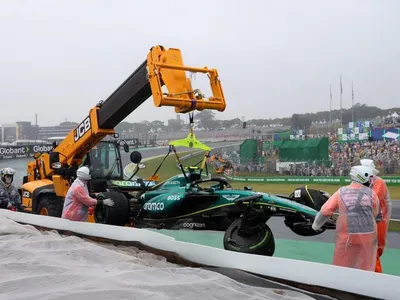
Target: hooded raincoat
[77,202]
[380,188]
[356,229]
[9,194]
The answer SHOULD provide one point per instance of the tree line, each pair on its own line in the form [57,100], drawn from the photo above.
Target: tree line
[206,120]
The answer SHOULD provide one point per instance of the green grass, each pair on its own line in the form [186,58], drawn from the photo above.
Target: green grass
[287,188]
[394,226]
[169,168]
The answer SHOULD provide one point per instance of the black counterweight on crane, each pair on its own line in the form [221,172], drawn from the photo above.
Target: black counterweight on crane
[125,99]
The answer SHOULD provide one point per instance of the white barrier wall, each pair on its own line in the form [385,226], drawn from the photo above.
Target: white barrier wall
[359,282]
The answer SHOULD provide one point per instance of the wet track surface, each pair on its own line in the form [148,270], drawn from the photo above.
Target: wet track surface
[396,209]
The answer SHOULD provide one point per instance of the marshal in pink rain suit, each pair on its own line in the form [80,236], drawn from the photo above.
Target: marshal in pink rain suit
[356,229]
[77,202]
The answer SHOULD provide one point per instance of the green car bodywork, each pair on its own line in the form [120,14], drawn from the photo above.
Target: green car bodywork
[166,197]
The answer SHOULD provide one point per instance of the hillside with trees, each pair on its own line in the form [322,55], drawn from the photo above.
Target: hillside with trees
[206,120]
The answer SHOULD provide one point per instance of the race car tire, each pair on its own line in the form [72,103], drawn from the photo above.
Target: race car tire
[117,215]
[302,231]
[260,242]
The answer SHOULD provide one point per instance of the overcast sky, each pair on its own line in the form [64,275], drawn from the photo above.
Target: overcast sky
[275,58]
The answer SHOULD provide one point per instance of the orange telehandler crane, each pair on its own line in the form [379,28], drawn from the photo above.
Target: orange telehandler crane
[50,175]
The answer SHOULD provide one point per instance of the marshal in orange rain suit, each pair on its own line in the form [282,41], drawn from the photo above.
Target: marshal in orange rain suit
[380,188]
[356,229]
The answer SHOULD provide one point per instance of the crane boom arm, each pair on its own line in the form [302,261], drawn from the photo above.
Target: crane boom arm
[125,99]
[161,68]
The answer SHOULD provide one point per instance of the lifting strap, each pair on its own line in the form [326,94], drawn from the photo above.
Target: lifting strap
[189,142]
[191,121]
[165,157]
[180,164]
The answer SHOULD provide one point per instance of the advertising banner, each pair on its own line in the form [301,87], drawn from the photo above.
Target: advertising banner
[21,151]
[337,180]
[132,143]
[9,152]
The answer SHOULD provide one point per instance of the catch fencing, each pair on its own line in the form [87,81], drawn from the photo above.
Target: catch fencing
[271,165]
[338,180]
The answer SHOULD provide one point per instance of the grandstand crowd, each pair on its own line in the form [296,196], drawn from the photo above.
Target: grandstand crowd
[386,154]
[392,120]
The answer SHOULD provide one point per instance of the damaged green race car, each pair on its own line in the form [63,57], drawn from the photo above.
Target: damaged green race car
[194,200]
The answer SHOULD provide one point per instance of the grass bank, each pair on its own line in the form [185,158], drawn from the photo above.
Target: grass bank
[169,168]
[394,226]
[287,188]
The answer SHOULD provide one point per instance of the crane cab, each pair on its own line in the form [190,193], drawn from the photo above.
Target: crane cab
[106,165]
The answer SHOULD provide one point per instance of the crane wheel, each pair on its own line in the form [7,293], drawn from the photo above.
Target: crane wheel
[50,205]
